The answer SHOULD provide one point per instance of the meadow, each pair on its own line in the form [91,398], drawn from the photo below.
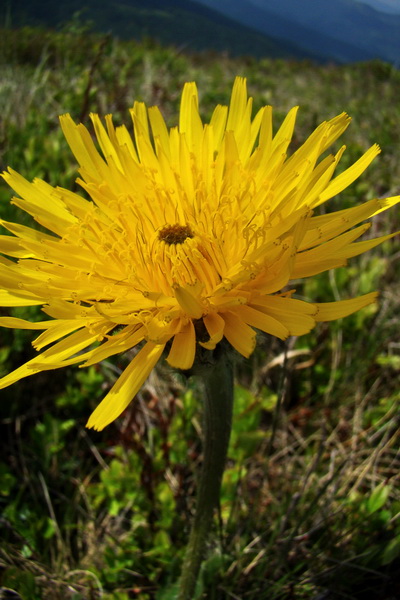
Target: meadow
[310,502]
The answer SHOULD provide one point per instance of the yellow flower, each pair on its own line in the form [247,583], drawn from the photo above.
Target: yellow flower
[190,235]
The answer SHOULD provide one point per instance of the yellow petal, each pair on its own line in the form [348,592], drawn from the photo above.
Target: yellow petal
[183,349]
[24,299]
[16,323]
[359,247]
[239,335]
[189,119]
[40,200]
[126,387]
[215,325]
[25,370]
[238,103]
[218,123]
[284,134]
[139,116]
[261,320]
[54,329]
[53,357]
[190,304]
[159,129]
[125,141]
[349,175]
[386,203]
[328,311]
[116,344]
[81,144]
[146,153]
[104,141]
[295,315]
[337,126]
[12,247]
[328,255]
[325,227]
[160,331]
[74,343]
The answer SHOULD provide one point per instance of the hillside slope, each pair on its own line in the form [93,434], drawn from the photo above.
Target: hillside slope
[181,23]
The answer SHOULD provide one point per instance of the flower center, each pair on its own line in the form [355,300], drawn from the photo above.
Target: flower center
[175,234]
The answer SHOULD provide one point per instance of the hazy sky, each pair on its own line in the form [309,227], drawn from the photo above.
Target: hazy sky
[392,6]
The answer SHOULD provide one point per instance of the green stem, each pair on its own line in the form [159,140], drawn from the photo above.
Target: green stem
[218,401]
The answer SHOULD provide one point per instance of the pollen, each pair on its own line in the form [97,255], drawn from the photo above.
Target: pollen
[175,234]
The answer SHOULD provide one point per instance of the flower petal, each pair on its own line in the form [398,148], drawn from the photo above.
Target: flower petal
[215,325]
[183,349]
[126,387]
[346,178]
[297,319]
[239,334]
[190,304]
[55,357]
[24,299]
[329,311]
[261,320]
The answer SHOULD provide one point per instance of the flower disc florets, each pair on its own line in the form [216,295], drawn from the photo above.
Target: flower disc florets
[190,235]
[175,234]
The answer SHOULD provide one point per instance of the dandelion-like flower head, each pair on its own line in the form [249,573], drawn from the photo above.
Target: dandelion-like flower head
[191,235]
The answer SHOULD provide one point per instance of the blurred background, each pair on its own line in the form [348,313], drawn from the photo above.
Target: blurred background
[310,503]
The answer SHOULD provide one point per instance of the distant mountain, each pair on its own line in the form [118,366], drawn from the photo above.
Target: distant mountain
[387,6]
[181,23]
[329,30]
[340,30]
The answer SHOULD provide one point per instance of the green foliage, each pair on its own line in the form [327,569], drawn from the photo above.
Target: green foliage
[14,578]
[310,499]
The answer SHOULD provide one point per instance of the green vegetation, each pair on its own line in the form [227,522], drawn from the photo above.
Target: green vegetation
[310,504]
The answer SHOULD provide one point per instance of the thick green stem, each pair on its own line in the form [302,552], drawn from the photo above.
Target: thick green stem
[218,402]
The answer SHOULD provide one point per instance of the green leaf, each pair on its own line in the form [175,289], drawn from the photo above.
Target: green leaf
[169,593]
[49,529]
[20,581]
[391,360]
[7,480]
[392,551]
[212,567]
[378,498]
